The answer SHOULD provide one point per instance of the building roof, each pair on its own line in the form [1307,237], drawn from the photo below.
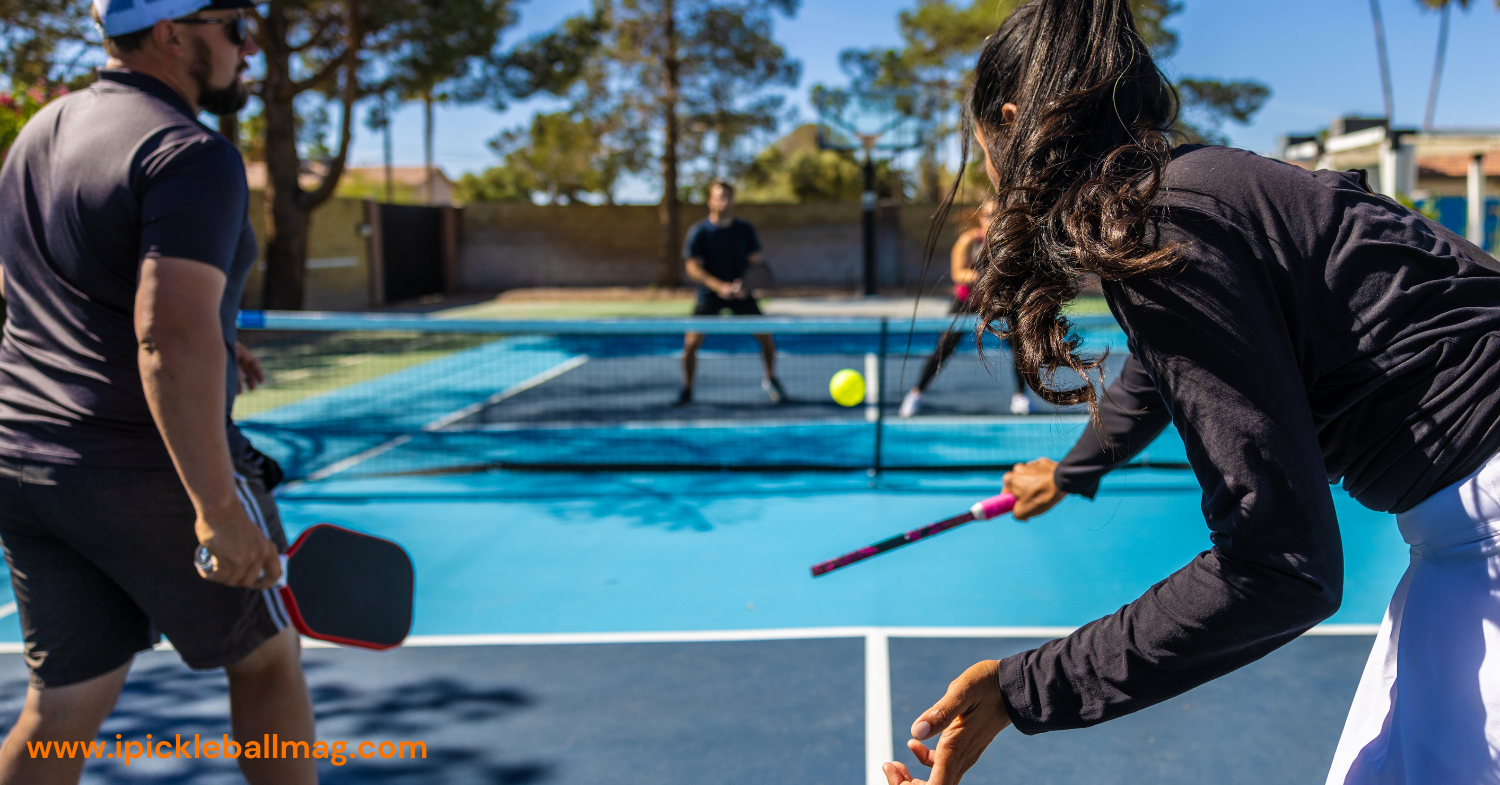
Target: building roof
[1455,166]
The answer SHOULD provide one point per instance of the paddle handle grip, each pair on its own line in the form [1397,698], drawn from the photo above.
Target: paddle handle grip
[993,507]
[982,510]
[282,582]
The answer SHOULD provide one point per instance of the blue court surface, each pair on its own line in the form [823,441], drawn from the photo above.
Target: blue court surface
[587,627]
[603,628]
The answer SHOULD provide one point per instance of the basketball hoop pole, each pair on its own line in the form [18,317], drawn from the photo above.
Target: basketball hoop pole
[869,201]
[878,119]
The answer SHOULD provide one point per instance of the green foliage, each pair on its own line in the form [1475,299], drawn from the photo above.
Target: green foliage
[611,66]
[560,156]
[52,42]
[497,184]
[942,39]
[1427,207]
[16,108]
[1214,102]
[795,170]
[554,61]
[454,49]
[363,184]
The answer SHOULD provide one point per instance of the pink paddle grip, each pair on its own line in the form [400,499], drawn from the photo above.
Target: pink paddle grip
[993,506]
[961,291]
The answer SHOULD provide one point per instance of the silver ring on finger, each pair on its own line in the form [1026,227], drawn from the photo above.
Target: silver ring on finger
[203,559]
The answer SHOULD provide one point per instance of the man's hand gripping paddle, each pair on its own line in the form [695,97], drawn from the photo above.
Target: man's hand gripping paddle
[348,588]
[989,508]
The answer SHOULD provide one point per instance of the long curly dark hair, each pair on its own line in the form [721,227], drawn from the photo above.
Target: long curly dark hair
[1077,168]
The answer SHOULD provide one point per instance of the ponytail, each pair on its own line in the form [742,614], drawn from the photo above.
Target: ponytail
[1078,169]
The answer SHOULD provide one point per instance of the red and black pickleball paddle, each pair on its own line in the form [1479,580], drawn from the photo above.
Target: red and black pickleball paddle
[989,508]
[348,588]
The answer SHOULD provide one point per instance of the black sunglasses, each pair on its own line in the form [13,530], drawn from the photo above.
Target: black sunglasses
[237,28]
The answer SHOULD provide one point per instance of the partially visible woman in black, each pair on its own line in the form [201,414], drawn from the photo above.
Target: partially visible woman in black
[962,263]
[1297,330]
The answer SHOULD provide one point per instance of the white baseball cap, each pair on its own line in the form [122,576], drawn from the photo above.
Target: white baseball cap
[128,16]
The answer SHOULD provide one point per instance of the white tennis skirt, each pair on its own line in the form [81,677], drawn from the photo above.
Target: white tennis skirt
[1428,705]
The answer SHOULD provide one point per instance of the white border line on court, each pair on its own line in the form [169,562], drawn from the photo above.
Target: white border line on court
[509,392]
[729,636]
[448,419]
[1062,420]
[878,745]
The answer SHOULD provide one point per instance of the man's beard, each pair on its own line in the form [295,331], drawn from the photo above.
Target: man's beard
[221,101]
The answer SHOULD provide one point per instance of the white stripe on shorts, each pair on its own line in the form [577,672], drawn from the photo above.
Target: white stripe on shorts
[271,596]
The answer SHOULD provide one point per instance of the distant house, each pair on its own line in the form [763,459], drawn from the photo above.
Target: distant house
[1454,173]
[410,184]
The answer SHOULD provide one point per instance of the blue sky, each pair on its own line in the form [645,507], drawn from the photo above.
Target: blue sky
[1318,56]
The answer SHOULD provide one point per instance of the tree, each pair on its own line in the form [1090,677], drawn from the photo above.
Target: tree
[686,80]
[343,50]
[942,40]
[793,169]
[450,64]
[1445,7]
[497,184]
[48,42]
[1385,62]
[561,156]
[15,109]
[1215,102]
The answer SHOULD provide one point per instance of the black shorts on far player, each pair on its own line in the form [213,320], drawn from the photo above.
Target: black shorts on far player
[712,305]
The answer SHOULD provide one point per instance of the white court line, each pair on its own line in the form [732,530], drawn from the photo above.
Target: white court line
[729,636]
[358,458]
[545,376]
[878,745]
[450,418]
[7,609]
[1062,420]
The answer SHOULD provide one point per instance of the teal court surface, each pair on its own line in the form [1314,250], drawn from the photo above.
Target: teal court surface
[580,623]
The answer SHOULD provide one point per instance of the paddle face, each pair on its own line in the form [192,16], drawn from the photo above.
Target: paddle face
[349,588]
[758,277]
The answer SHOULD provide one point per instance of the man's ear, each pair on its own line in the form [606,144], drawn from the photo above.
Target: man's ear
[168,37]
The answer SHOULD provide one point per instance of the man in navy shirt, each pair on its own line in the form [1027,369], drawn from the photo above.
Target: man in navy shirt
[718,252]
[130,505]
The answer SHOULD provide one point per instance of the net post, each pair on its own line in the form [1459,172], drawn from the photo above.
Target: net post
[880,394]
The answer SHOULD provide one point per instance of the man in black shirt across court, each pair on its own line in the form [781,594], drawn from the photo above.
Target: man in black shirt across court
[130,504]
[718,252]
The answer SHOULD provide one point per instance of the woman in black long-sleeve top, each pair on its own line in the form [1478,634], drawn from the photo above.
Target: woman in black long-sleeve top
[1297,330]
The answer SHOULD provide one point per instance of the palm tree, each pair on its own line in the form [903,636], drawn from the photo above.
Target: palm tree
[1446,7]
[1385,61]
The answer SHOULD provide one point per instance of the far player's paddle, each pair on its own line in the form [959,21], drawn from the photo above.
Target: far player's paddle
[989,508]
[348,588]
[757,278]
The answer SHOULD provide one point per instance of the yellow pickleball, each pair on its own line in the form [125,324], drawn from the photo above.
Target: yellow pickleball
[847,388]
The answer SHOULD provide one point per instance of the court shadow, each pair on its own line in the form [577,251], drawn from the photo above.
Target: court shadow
[357,696]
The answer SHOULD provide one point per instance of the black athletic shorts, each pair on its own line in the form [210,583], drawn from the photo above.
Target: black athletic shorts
[102,564]
[710,304]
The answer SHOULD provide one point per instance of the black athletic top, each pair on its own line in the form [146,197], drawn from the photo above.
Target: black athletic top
[97,181]
[1314,332]
[723,251]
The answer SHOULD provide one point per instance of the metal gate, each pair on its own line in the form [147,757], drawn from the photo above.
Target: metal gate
[413,251]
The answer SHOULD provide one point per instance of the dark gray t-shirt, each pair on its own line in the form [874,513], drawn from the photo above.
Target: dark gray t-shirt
[96,182]
[723,250]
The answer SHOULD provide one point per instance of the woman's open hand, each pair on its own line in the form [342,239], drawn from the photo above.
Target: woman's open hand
[968,717]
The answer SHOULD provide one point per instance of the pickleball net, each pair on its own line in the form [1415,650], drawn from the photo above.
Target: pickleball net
[352,395]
